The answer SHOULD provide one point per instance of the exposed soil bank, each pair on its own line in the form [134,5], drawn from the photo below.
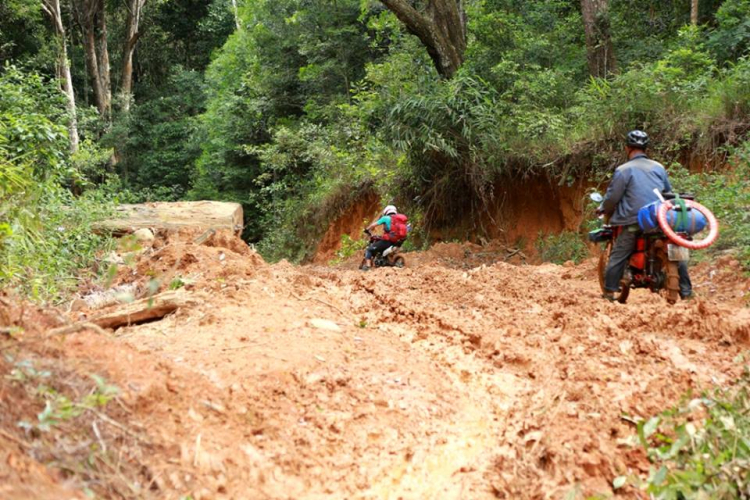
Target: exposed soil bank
[360,213]
[520,211]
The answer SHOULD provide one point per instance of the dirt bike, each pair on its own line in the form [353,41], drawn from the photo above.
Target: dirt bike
[389,258]
[656,257]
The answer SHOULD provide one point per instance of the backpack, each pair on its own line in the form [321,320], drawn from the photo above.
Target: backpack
[398,228]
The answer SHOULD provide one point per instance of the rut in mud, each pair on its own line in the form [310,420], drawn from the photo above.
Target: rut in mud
[448,379]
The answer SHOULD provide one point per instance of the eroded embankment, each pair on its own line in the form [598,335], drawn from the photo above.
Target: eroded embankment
[441,380]
[519,212]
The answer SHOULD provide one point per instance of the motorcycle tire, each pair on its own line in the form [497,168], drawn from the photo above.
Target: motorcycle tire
[622,295]
[399,262]
[672,287]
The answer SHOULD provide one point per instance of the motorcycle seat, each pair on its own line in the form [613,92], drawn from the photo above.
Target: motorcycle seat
[684,196]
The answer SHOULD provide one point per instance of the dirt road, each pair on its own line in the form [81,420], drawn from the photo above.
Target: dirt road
[445,380]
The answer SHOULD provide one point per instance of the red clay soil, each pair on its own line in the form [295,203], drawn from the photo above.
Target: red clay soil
[350,223]
[459,377]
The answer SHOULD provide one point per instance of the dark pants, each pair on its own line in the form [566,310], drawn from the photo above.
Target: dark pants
[621,251]
[377,247]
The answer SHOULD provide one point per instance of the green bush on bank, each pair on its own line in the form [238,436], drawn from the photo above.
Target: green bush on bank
[45,232]
[561,248]
[699,449]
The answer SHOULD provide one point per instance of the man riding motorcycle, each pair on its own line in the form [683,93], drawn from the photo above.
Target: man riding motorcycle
[631,188]
[393,234]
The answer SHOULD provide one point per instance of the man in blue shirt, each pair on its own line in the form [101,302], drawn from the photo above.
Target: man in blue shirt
[631,188]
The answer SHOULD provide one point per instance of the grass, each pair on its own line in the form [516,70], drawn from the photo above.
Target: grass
[699,449]
[561,248]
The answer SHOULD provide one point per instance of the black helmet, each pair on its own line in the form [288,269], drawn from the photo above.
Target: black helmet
[637,139]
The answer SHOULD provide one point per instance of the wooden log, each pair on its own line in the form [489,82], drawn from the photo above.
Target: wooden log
[144,310]
[174,215]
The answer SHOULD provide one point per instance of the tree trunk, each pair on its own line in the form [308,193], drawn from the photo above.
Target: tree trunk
[86,12]
[601,55]
[131,38]
[694,12]
[103,55]
[441,27]
[89,47]
[236,15]
[52,8]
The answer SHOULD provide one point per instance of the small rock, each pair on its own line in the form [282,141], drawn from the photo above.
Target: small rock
[324,324]
[144,236]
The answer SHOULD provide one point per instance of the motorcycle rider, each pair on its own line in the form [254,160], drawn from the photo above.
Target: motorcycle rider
[383,244]
[631,188]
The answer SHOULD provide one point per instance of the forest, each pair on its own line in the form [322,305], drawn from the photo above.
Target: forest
[297,109]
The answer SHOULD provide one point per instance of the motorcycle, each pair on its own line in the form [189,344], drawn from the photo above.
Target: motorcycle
[658,252]
[388,258]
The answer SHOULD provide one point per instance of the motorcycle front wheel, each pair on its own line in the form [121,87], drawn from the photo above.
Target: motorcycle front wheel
[622,295]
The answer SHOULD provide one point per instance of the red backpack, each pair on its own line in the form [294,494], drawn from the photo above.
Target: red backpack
[398,228]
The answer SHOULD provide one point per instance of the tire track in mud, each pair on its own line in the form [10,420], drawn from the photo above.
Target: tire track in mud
[455,465]
[575,364]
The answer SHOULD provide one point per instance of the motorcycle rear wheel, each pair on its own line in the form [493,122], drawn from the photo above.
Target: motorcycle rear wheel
[672,287]
[399,262]
[622,295]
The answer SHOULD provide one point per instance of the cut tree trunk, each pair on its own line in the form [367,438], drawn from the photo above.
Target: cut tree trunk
[197,214]
[601,55]
[144,310]
[441,28]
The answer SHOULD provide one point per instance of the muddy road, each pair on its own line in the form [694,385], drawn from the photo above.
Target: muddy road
[451,379]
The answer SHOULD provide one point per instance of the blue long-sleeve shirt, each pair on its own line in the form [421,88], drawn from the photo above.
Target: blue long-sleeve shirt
[632,187]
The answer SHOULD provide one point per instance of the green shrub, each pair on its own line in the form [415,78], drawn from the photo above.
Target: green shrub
[561,248]
[45,232]
[349,247]
[699,449]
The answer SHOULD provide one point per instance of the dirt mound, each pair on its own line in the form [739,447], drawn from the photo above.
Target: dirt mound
[56,411]
[191,258]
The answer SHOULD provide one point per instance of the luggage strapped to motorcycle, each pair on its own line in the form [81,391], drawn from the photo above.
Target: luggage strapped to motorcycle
[681,209]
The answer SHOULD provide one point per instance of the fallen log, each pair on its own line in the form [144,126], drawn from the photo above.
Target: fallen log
[144,310]
[174,215]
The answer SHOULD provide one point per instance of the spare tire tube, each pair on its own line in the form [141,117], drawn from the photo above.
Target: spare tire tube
[706,242]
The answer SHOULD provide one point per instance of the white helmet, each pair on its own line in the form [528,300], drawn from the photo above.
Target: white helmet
[390,210]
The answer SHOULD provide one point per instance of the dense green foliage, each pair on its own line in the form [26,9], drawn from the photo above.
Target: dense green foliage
[296,108]
[522,104]
[699,449]
[45,235]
